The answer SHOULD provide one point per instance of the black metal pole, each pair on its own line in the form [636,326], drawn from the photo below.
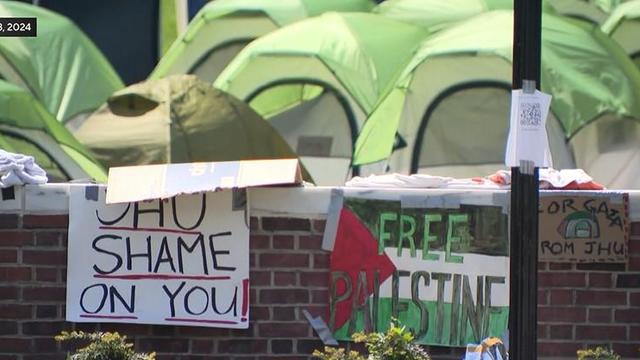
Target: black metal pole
[523,294]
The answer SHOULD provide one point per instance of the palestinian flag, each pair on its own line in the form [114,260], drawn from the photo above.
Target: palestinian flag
[442,271]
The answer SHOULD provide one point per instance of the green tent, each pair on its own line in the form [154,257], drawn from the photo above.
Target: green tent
[318,79]
[224,27]
[61,67]
[26,127]
[624,26]
[175,120]
[592,11]
[437,14]
[457,86]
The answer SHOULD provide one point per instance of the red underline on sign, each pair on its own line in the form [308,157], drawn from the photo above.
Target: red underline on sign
[108,316]
[203,321]
[123,228]
[161,277]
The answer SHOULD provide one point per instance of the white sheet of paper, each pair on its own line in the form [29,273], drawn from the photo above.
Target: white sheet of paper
[527,130]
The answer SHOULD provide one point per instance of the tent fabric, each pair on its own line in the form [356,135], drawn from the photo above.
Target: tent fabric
[592,11]
[27,127]
[61,67]
[362,51]
[623,25]
[223,27]
[604,82]
[175,120]
[436,14]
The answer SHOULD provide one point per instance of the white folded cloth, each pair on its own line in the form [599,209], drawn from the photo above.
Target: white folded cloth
[19,169]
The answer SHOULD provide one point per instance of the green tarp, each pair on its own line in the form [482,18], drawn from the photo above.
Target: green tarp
[27,127]
[624,26]
[61,67]
[175,120]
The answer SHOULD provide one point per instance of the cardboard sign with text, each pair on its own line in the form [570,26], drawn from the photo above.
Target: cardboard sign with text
[178,261]
[584,228]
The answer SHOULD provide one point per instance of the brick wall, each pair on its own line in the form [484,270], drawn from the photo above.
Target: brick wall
[579,304]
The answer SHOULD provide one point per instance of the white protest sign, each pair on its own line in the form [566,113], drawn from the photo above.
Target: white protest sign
[527,129]
[178,261]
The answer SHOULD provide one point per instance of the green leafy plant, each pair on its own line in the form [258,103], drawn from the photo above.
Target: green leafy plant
[397,343]
[102,346]
[599,353]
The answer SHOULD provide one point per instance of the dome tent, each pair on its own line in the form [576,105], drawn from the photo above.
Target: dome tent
[317,80]
[178,119]
[458,86]
[223,27]
[624,27]
[61,67]
[26,127]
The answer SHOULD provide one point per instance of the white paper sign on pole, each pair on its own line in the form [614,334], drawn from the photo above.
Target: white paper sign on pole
[527,129]
[178,261]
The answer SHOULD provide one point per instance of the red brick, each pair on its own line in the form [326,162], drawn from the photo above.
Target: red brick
[558,349]
[46,221]
[44,294]
[260,278]
[634,247]
[560,266]
[285,224]
[15,238]
[634,333]
[558,332]
[590,297]
[284,296]
[542,266]
[631,316]
[46,344]
[311,242]
[635,228]
[284,313]
[628,281]
[47,274]
[46,311]
[259,313]
[202,346]
[634,263]
[242,346]
[9,221]
[543,331]
[281,346]
[562,314]
[15,311]
[321,261]
[284,260]
[319,225]
[8,327]
[319,296]
[315,311]
[166,345]
[283,242]
[294,330]
[307,346]
[259,242]
[15,345]
[600,332]
[8,293]
[44,257]
[635,299]
[600,315]
[47,238]
[561,280]
[561,297]
[254,223]
[15,273]
[281,278]
[314,279]
[8,256]
[43,328]
[600,267]
[600,280]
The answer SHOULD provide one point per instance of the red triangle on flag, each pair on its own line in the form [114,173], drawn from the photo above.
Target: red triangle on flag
[356,250]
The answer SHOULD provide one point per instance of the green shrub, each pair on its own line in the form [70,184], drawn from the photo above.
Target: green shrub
[102,346]
[598,353]
[395,344]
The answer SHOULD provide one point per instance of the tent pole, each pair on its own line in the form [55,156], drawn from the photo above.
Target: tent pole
[523,293]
